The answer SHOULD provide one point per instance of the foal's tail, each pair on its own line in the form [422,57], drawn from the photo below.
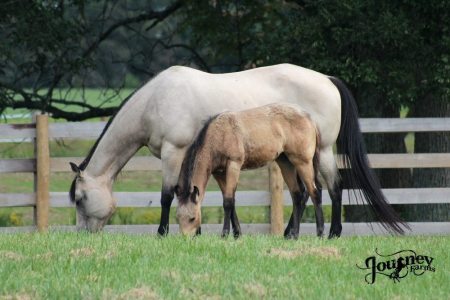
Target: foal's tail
[359,175]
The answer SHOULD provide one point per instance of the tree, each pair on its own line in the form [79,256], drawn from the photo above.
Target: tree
[53,44]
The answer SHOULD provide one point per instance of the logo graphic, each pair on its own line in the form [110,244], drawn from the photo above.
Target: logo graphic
[396,265]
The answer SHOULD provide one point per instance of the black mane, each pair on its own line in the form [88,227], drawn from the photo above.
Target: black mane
[187,168]
[85,162]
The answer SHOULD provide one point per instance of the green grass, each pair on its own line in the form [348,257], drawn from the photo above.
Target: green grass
[117,266]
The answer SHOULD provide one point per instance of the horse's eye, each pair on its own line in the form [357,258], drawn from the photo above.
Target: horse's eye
[191,220]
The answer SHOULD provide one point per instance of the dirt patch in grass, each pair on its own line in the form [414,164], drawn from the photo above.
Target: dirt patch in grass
[82,252]
[9,255]
[326,252]
[20,296]
[193,294]
[45,256]
[255,290]
[171,274]
[140,293]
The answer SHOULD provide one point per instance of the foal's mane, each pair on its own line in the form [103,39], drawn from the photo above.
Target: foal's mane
[187,168]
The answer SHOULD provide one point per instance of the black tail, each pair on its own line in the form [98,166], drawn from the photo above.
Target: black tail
[360,176]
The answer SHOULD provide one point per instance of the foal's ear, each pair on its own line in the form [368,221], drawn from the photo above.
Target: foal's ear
[75,168]
[196,191]
[176,189]
[194,194]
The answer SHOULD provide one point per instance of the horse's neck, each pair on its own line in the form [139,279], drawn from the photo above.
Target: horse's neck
[119,143]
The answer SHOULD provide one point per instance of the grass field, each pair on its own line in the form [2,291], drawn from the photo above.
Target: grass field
[117,266]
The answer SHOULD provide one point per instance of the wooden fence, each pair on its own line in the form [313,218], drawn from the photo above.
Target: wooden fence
[42,132]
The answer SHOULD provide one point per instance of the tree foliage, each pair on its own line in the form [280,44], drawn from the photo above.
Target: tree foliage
[64,44]
[392,53]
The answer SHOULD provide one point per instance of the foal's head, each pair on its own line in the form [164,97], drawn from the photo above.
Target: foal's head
[93,199]
[189,214]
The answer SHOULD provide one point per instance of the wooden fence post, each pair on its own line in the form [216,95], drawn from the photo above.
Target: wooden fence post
[276,185]
[42,173]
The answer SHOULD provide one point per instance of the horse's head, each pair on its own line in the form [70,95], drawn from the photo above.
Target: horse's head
[93,199]
[189,214]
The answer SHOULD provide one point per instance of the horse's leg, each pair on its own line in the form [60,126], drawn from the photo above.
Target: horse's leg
[298,196]
[171,160]
[318,211]
[329,171]
[221,180]
[231,180]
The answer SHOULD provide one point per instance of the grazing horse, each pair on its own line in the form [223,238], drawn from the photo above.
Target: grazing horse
[248,139]
[167,113]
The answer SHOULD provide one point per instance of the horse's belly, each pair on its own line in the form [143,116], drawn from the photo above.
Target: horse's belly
[257,157]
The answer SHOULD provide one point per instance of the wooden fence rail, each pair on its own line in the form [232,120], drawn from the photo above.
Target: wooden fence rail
[42,132]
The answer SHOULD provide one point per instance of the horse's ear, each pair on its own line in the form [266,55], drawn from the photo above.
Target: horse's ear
[176,189]
[75,168]
[196,191]
[194,194]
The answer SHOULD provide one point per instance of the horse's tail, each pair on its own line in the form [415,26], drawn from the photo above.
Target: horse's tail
[359,175]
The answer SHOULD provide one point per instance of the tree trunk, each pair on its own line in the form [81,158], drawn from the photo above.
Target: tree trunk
[431,142]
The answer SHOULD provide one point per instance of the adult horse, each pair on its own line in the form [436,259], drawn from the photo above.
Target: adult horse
[166,114]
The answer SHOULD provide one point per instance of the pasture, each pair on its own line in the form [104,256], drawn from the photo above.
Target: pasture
[61,265]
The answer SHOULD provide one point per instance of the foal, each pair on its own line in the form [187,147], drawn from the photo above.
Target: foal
[250,139]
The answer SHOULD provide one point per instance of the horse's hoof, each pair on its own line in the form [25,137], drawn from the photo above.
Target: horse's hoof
[291,236]
[334,235]
[287,231]
[163,231]
[320,234]
[236,235]
[225,233]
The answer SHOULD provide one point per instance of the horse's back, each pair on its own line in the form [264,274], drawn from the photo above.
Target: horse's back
[180,99]
[259,135]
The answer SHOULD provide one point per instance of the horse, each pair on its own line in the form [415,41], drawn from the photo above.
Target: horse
[248,139]
[167,112]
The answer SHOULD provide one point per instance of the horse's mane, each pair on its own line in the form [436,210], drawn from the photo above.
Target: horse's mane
[86,161]
[187,168]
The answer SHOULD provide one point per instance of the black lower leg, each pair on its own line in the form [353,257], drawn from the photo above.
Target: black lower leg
[235,223]
[166,201]
[336,206]
[289,225]
[299,203]
[300,197]
[228,204]
[319,212]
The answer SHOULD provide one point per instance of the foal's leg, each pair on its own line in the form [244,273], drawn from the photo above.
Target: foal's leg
[297,194]
[221,180]
[232,176]
[171,159]
[303,200]
[306,173]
